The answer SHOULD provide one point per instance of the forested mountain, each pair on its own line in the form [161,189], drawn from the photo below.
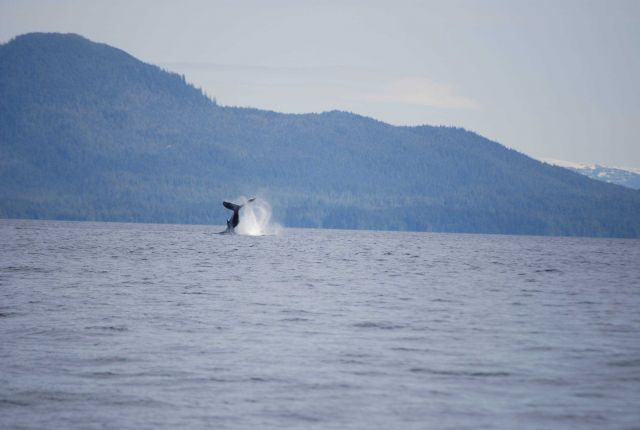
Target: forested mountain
[88,132]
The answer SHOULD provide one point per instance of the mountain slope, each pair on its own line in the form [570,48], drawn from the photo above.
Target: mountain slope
[89,132]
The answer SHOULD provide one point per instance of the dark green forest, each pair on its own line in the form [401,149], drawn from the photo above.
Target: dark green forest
[88,132]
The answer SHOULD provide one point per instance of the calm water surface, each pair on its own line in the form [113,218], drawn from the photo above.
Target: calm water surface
[117,326]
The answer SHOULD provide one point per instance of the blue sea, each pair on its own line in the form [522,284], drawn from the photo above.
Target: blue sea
[138,326]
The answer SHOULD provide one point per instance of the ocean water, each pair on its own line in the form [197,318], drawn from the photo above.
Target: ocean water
[117,326]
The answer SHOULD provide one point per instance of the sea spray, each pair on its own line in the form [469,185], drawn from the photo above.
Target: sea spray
[255,218]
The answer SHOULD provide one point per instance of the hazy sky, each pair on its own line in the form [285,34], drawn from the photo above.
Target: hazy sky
[553,79]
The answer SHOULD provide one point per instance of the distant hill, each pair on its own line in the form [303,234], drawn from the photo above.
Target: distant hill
[614,175]
[88,132]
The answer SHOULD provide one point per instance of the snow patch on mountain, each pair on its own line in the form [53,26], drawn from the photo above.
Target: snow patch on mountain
[625,176]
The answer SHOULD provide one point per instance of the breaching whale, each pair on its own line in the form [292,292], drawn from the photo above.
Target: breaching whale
[233,222]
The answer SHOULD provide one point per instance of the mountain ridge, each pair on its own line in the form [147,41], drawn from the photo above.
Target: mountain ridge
[89,132]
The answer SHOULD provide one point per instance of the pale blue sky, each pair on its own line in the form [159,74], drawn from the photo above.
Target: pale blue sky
[553,79]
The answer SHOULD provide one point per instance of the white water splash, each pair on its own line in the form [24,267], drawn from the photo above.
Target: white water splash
[255,218]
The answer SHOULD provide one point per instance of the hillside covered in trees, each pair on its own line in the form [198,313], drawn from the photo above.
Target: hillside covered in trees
[87,132]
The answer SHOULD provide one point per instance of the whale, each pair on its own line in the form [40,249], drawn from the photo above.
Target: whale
[233,222]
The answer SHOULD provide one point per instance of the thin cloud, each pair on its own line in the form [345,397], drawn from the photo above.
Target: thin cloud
[303,89]
[423,92]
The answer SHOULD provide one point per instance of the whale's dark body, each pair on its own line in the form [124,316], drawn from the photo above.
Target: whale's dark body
[233,222]
[235,218]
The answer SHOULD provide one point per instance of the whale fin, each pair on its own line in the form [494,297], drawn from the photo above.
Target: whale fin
[234,207]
